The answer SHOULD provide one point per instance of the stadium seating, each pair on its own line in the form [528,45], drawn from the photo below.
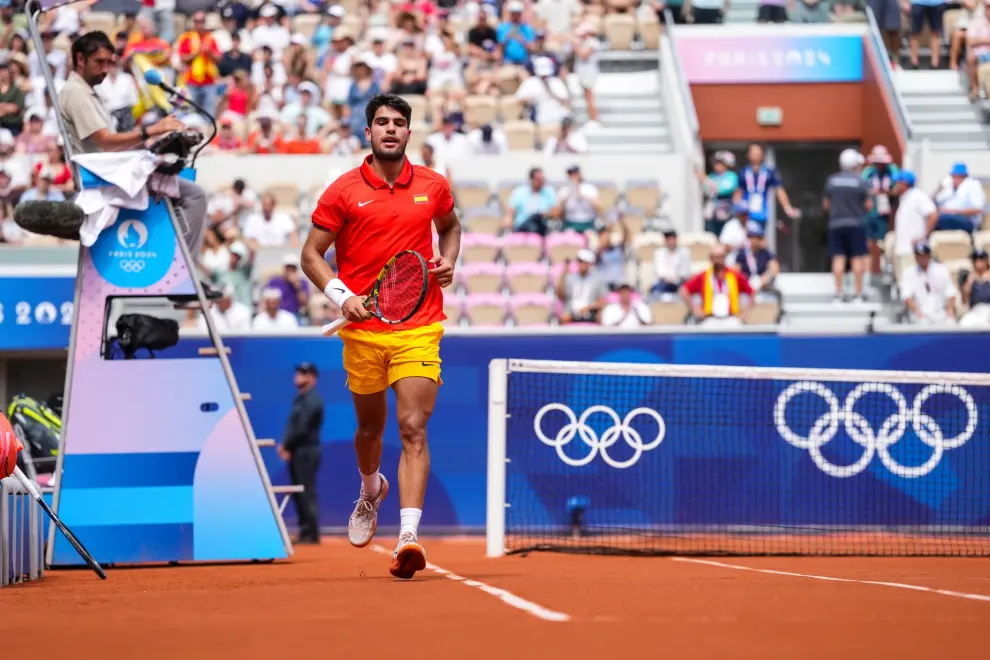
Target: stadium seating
[486,308]
[530,309]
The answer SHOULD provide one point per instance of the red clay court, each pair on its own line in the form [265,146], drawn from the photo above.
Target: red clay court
[335,601]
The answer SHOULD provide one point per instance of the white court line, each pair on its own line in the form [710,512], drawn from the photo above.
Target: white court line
[506,597]
[827,578]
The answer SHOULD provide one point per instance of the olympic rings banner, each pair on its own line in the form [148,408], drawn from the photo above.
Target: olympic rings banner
[654,450]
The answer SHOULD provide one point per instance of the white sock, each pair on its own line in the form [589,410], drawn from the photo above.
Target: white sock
[371,483]
[409,521]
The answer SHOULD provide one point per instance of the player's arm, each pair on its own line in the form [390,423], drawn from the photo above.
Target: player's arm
[449,230]
[328,218]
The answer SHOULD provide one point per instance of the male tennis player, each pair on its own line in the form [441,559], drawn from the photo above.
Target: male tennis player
[372,213]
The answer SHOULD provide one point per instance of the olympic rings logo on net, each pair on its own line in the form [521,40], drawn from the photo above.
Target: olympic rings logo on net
[875,442]
[578,426]
[132,265]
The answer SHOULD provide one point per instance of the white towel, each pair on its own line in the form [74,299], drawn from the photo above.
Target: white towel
[127,173]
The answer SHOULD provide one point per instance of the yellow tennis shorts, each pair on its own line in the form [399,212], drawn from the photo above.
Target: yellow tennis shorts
[375,360]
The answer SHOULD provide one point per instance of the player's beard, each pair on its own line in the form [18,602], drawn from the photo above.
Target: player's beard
[389,153]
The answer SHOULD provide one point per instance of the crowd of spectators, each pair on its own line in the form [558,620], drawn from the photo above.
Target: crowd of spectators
[294,77]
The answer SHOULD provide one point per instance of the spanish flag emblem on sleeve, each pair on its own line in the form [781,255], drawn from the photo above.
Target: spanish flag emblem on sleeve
[421,199]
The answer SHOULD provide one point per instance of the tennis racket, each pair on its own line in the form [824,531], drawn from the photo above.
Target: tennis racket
[398,292]
[36,494]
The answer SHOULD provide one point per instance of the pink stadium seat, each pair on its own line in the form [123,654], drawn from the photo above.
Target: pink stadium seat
[531,308]
[519,246]
[563,245]
[482,277]
[477,248]
[485,308]
[527,277]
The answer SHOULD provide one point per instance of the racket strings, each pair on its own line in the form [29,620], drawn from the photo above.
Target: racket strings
[402,288]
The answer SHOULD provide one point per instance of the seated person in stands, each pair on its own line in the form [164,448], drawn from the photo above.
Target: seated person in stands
[531,205]
[613,237]
[582,293]
[43,189]
[928,290]
[916,215]
[294,287]
[672,263]
[976,293]
[755,260]
[960,201]
[228,314]
[715,296]
[628,311]
[720,186]
[568,141]
[272,318]
[578,200]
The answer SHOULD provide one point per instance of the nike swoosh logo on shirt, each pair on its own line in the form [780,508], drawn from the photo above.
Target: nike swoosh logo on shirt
[360,204]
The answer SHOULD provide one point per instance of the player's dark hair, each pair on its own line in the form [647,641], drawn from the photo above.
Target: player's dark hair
[392,101]
[88,44]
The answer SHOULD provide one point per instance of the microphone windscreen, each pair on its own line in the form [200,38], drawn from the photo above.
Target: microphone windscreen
[59,219]
[153,77]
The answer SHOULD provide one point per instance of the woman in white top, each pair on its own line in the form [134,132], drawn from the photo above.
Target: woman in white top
[337,69]
[446,68]
[586,55]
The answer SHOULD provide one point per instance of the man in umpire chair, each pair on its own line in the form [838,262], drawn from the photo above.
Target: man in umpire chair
[91,129]
[300,448]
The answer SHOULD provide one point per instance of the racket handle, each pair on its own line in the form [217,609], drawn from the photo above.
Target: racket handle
[330,329]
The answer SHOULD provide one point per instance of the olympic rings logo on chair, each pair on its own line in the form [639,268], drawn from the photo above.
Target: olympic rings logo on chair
[132,265]
[599,444]
[874,442]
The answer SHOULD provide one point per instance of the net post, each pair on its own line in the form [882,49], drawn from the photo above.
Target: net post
[498,371]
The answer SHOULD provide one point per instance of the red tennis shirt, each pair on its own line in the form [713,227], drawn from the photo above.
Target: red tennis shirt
[372,222]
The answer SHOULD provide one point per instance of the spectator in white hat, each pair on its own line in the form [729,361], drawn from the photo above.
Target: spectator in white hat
[43,190]
[269,32]
[582,293]
[318,120]
[928,290]
[382,62]
[228,315]
[847,199]
[237,274]
[545,93]
[33,139]
[294,287]
[515,36]
[272,318]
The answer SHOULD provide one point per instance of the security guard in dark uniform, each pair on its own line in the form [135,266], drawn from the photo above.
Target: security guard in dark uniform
[301,449]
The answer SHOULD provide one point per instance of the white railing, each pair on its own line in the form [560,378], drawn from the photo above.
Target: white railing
[875,43]
[682,118]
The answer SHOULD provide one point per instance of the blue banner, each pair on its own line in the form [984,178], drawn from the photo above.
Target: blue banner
[458,428]
[35,312]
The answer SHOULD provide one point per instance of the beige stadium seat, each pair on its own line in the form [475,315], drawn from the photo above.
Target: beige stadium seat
[634,220]
[352,7]
[505,189]
[527,282]
[951,245]
[480,253]
[521,135]
[285,194]
[957,266]
[508,80]
[484,282]
[532,313]
[418,131]
[419,106]
[104,21]
[306,24]
[619,30]
[643,195]
[472,194]
[487,313]
[179,21]
[547,132]
[483,222]
[453,311]
[213,21]
[516,253]
[699,244]
[982,239]
[353,23]
[645,244]
[766,311]
[510,108]
[648,26]
[646,275]
[608,194]
[669,311]
[479,110]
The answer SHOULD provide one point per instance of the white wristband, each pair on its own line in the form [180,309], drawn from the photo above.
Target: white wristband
[338,292]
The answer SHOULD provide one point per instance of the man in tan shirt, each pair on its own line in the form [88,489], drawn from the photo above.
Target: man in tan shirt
[91,128]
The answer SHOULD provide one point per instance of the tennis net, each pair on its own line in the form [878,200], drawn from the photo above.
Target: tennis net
[671,459]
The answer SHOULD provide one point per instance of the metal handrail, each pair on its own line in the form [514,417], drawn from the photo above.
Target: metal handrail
[683,87]
[887,75]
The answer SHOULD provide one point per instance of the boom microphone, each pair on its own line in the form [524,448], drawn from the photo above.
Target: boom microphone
[59,219]
[154,77]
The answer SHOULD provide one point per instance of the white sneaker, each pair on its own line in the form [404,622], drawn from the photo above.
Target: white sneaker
[408,558]
[363,522]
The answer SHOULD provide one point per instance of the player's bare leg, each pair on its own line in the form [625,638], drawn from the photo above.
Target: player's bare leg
[371,411]
[415,398]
